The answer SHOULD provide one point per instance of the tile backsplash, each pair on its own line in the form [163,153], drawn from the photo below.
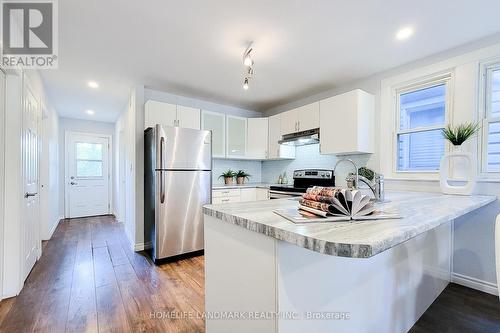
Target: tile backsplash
[306,157]
[254,168]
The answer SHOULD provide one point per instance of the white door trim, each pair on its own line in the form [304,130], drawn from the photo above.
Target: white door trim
[66,173]
[2,176]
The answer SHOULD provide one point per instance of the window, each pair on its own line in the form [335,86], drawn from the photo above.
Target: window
[88,160]
[491,124]
[422,113]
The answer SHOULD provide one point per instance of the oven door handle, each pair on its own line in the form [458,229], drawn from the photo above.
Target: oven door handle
[295,194]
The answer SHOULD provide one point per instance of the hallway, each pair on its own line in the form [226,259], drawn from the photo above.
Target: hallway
[89,280]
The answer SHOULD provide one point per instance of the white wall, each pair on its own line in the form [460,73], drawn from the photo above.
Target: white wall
[473,260]
[86,126]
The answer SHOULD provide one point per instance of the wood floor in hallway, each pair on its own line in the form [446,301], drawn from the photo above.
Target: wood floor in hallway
[89,280]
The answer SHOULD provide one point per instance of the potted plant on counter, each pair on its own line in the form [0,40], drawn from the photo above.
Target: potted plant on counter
[457,135]
[241,176]
[228,176]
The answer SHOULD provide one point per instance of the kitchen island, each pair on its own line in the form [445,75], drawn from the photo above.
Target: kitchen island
[267,274]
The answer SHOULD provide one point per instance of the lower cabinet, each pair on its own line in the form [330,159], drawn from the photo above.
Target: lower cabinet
[239,195]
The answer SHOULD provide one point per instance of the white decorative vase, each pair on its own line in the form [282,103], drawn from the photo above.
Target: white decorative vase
[469,172]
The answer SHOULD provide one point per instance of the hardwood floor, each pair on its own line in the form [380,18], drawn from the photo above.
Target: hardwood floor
[89,280]
[460,309]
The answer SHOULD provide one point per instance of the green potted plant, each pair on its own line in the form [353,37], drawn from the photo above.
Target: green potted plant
[457,135]
[228,176]
[241,176]
[461,133]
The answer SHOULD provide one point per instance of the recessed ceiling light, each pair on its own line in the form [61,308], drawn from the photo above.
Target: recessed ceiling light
[93,84]
[404,33]
[90,112]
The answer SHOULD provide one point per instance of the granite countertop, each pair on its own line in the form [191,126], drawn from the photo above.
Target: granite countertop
[357,239]
[246,185]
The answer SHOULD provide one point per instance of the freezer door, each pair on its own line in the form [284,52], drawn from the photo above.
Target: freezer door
[183,148]
[179,211]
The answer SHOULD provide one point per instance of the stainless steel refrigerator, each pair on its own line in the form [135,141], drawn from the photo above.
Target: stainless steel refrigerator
[177,183]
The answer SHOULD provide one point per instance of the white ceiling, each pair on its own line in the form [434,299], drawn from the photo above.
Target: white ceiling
[194,48]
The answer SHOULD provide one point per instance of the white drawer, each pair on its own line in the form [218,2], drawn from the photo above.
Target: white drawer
[217,201]
[233,192]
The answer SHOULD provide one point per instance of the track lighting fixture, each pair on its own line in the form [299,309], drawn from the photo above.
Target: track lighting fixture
[248,62]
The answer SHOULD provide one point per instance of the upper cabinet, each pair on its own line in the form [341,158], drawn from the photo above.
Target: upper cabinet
[300,119]
[308,117]
[289,121]
[159,113]
[275,150]
[188,117]
[236,137]
[170,115]
[347,123]
[215,122]
[257,135]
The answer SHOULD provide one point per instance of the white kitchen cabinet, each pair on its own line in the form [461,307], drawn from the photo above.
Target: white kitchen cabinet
[223,200]
[347,123]
[170,115]
[215,122]
[248,194]
[236,137]
[300,119]
[308,117]
[275,150]
[159,113]
[257,138]
[221,196]
[188,117]
[289,122]
[261,194]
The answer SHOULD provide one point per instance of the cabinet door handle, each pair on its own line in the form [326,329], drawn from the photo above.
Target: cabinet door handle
[298,126]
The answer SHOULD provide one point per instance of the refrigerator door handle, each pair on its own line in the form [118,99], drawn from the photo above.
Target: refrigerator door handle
[162,186]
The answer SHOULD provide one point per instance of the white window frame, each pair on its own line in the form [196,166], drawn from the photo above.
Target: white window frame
[486,68]
[419,84]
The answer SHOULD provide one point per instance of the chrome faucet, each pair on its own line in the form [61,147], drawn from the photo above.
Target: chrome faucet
[377,186]
[353,179]
[351,182]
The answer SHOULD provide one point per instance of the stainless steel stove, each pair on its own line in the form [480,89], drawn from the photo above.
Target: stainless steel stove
[302,180]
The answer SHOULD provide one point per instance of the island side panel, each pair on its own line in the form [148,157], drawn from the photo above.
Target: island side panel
[385,293]
[240,277]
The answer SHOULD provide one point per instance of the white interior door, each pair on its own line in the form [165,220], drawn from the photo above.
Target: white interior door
[88,175]
[30,148]
[2,170]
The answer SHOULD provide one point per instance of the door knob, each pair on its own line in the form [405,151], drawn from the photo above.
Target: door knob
[73,183]
[30,194]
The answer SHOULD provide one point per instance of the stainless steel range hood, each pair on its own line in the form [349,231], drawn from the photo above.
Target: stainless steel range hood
[303,138]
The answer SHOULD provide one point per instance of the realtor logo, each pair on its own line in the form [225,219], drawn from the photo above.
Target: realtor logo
[29,34]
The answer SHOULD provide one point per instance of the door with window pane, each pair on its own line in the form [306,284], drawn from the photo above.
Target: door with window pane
[87,183]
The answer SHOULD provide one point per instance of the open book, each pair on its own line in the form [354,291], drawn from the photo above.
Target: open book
[328,204]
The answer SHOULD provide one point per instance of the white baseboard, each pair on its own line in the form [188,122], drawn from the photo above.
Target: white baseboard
[54,227]
[467,281]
